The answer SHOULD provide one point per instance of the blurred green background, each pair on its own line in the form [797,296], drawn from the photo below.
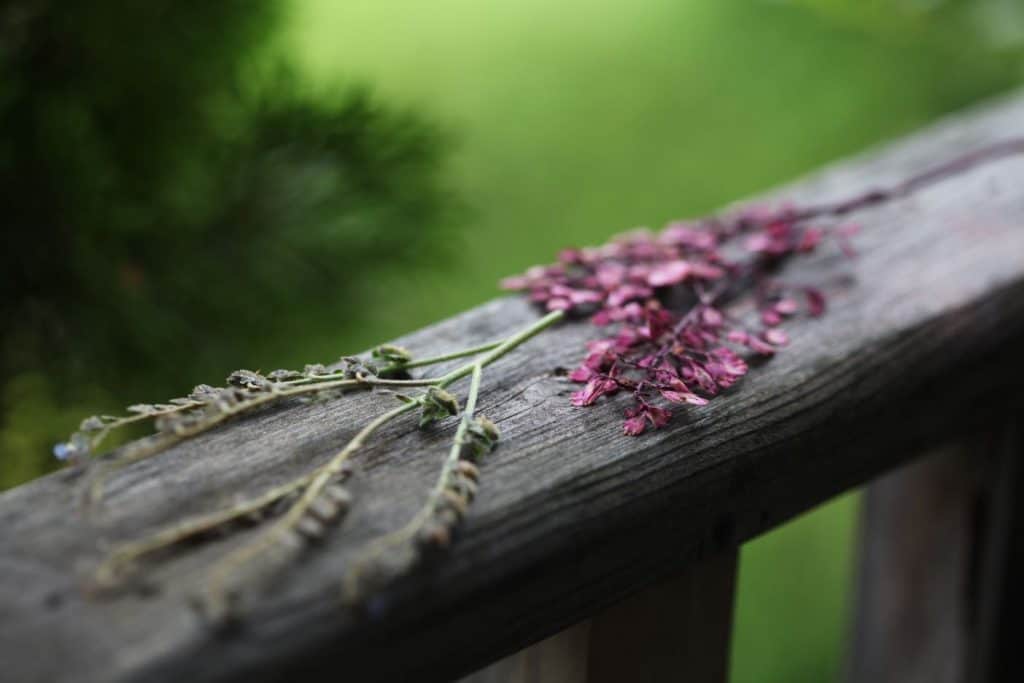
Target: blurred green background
[195,187]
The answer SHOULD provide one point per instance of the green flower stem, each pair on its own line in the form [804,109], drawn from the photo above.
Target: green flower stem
[160,442]
[304,385]
[502,348]
[396,367]
[125,555]
[410,529]
[314,485]
[102,434]
[472,351]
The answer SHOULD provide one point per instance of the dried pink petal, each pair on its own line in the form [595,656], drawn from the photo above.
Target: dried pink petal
[712,317]
[728,364]
[582,374]
[759,346]
[657,353]
[626,293]
[787,306]
[695,372]
[685,235]
[659,417]
[634,426]
[775,336]
[683,397]
[810,239]
[706,271]
[595,388]
[559,304]
[815,301]
[670,273]
[570,256]
[738,337]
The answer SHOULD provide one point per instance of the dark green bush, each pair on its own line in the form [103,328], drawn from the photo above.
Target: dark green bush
[166,203]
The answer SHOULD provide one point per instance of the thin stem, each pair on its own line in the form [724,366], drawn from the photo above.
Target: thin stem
[502,348]
[161,441]
[412,527]
[312,484]
[297,387]
[396,367]
[102,434]
[126,554]
[315,483]
[472,351]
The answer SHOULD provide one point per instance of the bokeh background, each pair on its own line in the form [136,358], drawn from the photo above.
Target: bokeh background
[192,187]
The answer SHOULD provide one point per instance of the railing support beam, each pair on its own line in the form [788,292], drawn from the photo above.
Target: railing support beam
[942,545]
[675,630]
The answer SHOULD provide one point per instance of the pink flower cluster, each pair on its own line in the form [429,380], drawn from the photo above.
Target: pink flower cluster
[665,294]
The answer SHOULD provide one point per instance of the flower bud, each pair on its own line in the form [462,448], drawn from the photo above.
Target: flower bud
[310,528]
[488,427]
[443,399]
[247,379]
[481,437]
[356,368]
[434,535]
[464,487]
[467,470]
[437,404]
[393,354]
[454,501]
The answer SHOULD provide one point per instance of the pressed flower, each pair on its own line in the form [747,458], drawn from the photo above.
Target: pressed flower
[692,354]
[815,301]
[596,388]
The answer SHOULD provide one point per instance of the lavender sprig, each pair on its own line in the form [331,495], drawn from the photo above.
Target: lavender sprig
[317,498]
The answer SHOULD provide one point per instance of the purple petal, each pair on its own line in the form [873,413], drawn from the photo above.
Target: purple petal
[670,273]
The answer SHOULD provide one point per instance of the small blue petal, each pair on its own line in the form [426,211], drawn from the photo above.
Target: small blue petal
[62,451]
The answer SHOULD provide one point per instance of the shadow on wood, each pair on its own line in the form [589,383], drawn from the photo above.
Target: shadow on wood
[678,629]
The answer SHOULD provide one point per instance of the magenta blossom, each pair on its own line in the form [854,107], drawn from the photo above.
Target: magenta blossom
[673,341]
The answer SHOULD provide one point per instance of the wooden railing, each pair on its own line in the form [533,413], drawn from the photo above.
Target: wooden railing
[626,547]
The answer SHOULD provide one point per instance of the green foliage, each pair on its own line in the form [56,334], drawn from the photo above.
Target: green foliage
[167,209]
[959,24]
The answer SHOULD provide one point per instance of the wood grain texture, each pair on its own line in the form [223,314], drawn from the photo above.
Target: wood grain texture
[919,341]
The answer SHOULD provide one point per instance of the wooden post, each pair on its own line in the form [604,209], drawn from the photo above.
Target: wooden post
[911,612]
[676,630]
[942,545]
[561,658]
[1000,597]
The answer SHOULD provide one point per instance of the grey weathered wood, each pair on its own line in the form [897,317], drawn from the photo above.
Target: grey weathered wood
[572,515]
